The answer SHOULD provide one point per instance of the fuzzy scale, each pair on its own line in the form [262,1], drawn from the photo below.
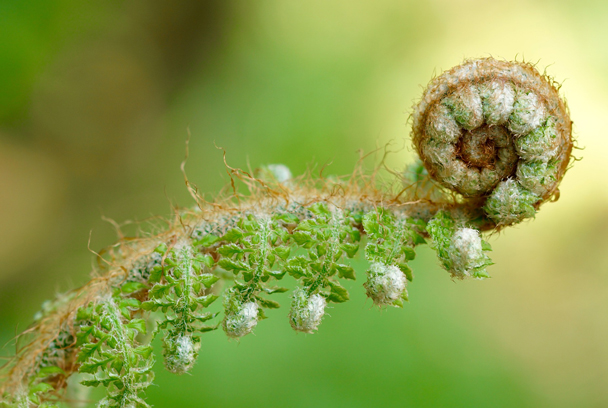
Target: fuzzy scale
[385,284]
[181,353]
[306,311]
[241,318]
[466,251]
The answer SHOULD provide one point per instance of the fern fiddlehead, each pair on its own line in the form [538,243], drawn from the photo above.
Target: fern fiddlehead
[494,135]
[497,130]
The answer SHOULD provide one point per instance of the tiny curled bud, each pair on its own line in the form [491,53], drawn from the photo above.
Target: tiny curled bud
[498,131]
[241,318]
[511,202]
[181,353]
[466,251]
[461,250]
[385,284]
[306,311]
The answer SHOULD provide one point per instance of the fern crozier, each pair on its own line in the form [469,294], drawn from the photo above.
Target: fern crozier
[494,139]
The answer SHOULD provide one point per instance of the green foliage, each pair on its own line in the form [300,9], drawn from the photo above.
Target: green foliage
[178,294]
[391,244]
[175,284]
[392,240]
[327,237]
[39,392]
[441,229]
[252,250]
[110,353]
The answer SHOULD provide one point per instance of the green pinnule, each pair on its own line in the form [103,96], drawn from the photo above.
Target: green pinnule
[327,236]
[177,292]
[110,353]
[391,246]
[254,246]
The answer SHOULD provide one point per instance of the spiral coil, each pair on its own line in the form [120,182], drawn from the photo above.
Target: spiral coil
[497,130]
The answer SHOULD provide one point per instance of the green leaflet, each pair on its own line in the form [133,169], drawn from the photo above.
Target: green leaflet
[38,393]
[327,236]
[181,296]
[460,250]
[391,245]
[111,356]
[392,240]
[254,250]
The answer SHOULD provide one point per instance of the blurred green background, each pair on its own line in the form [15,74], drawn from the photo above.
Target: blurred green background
[96,99]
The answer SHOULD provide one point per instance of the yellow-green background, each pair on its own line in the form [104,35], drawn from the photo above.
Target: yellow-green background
[95,101]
